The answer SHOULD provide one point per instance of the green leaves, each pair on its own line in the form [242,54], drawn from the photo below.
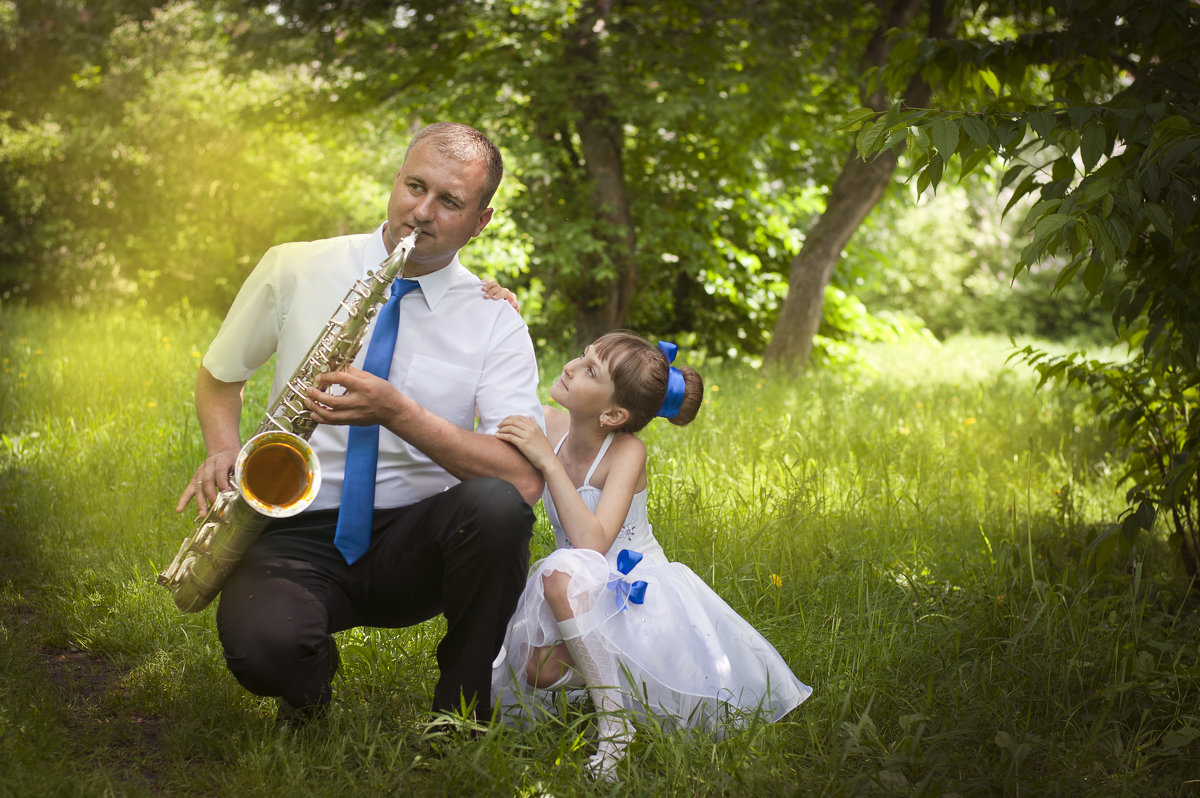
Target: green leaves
[855,119]
[871,139]
[944,132]
[1093,145]
[1105,164]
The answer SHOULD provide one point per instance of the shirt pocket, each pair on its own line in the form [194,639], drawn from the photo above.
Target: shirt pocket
[444,388]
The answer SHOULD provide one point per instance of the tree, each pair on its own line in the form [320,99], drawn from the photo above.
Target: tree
[857,189]
[639,133]
[1108,149]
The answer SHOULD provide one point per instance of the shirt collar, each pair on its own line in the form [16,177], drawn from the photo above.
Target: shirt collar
[433,285]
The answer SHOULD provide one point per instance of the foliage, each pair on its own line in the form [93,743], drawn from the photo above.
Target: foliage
[1108,151]
[902,536]
[720,150]
[947,261]
[150,152]
[145,185]
[1152,412]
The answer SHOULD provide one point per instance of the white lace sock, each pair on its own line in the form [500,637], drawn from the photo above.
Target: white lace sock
[600,669]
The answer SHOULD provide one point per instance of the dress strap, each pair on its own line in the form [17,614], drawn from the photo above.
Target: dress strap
[558,445]
[587,481]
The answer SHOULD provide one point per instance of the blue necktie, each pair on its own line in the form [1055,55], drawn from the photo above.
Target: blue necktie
[353,535]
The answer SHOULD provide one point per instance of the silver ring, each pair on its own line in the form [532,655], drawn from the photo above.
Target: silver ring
[200,482]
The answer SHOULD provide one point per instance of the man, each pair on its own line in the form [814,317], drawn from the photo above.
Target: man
[450,530]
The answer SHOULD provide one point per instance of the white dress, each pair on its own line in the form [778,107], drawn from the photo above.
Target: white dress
[685,656]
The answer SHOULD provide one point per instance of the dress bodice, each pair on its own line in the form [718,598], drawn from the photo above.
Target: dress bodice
[636,532]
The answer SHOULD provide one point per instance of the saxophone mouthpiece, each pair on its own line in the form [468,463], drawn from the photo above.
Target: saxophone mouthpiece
[400,250]
[410,240]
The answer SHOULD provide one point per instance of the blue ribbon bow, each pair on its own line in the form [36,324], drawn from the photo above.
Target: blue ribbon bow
[676,385]
[628,592]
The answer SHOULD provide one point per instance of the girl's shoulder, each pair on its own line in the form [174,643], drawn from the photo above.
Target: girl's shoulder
[627,444]
[626,457]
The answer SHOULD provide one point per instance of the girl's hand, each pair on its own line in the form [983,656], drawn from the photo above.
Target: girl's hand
[493,290]
[524,433]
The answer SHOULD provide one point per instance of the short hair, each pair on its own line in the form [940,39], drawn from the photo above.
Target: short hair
[465,143]
[639,372]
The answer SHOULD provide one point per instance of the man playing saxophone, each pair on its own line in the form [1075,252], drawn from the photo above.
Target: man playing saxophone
[451,520]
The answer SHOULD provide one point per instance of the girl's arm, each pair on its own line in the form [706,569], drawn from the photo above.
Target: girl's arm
[626,462]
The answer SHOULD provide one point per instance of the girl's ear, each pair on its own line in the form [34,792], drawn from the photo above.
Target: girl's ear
[614,416]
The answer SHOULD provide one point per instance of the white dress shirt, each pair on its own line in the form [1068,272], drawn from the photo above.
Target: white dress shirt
[458,354]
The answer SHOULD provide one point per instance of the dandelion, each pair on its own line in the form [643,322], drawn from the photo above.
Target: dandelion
[195,353]
[715,388]
[968,422]
[776,580]
[152,403]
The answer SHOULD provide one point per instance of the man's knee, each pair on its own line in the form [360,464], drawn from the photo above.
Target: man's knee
[499,508]
[272,633]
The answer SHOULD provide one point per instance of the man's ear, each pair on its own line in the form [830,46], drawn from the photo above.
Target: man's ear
[614,416]
[482,222]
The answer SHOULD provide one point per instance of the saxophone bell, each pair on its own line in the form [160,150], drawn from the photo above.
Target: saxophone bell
[278,473]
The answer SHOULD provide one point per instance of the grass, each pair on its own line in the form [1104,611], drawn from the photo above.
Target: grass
[907,532]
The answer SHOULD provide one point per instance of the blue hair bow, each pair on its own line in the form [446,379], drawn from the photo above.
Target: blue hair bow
[675,382]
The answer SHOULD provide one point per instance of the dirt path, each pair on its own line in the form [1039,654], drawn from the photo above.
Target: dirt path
[97,706]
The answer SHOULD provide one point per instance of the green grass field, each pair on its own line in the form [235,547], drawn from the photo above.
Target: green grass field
[907,532]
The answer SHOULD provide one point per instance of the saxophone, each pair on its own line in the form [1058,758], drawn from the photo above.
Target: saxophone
[277,473]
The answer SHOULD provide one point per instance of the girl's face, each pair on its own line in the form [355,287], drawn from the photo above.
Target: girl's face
[585,385]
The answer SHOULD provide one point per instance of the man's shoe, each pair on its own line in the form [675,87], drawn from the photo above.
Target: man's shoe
[293,718]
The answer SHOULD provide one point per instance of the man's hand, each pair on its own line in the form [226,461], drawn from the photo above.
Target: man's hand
[213,476]
[367,399]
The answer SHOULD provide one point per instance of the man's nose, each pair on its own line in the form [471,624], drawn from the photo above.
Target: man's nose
[423,212]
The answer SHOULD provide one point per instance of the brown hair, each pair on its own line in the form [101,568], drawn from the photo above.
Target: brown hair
[465,143]
[639,374]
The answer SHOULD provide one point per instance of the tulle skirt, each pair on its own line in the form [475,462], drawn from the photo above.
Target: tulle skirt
[685,656]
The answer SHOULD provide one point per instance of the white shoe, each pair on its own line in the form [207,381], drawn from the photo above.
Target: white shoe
[602,765]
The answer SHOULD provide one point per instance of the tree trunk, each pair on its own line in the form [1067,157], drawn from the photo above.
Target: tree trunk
[855,192]
[601,301]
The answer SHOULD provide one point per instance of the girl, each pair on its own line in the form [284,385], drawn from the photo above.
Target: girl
[607,610]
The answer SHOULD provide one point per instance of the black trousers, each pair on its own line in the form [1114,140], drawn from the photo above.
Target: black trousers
[463,553]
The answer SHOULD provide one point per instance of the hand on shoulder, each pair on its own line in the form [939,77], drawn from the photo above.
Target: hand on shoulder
[493,290]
